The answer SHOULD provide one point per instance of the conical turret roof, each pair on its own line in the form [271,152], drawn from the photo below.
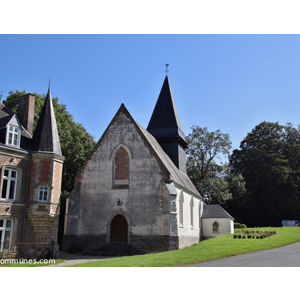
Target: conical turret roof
[46,137]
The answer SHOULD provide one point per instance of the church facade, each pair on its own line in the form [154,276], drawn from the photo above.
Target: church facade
[30,180]
[133,195]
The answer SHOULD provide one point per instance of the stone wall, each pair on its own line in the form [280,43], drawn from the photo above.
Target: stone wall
[144,201]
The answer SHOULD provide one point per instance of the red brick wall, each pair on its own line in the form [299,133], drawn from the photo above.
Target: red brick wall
[122,164]
[44,173]
[26,112]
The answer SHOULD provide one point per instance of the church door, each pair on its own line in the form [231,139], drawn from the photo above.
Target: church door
[119,229]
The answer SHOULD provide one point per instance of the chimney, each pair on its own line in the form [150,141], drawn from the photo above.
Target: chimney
[26,112]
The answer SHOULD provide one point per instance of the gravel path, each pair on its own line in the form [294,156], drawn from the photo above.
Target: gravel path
[75,259]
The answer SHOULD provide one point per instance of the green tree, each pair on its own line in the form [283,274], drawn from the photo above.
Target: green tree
[207,164]
[269,160]
[76,143]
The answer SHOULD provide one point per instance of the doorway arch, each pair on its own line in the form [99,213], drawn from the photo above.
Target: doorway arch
[119,229]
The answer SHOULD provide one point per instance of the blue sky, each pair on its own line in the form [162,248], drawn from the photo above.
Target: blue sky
[226,82]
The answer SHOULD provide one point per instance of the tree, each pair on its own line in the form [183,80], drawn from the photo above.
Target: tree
[207,166]
[269,160]
[76,143]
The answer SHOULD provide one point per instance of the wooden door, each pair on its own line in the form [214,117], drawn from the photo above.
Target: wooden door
[119,229]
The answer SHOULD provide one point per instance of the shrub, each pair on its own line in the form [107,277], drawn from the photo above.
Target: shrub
[236,225]
[239,225]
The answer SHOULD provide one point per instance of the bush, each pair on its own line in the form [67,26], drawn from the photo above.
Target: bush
[238,225]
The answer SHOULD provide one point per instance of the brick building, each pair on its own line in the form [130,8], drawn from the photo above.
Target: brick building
[30,180]
[133,195]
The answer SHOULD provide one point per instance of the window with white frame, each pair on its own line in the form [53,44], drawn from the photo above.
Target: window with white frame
[6,228]
[9,184]
[13,134]
[43,194]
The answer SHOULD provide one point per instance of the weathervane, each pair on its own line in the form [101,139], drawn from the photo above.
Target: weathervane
[167,70]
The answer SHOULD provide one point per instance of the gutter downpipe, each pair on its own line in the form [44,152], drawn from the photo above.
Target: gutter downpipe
[26,201]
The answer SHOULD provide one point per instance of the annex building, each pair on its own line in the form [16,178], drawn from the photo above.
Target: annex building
[30,180]
[133,194]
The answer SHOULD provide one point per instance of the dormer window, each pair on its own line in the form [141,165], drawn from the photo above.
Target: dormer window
[13,134]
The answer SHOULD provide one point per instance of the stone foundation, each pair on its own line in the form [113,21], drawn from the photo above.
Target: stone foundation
[138,244]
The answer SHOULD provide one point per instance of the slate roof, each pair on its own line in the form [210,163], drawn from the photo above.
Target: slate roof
[5,117]
[176,175]
[4,112]
[165,121]
[215,211]
[46,137]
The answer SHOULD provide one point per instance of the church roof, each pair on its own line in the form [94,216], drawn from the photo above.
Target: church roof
[172,173]
[165,121]
[176,175]
[46,137]
[215,211]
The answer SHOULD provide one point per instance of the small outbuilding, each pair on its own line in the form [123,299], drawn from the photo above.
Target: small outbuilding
[216,221]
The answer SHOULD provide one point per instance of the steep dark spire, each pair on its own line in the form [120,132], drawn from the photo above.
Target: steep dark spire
[46,137]
[166,127]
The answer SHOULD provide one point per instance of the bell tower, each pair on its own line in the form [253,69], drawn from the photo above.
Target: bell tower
[166,127]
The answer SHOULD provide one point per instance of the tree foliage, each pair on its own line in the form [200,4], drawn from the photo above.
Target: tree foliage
[76,143]
[207,166]
[269,160]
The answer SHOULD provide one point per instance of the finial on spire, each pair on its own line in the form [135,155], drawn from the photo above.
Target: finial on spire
[49,84]
[167,70]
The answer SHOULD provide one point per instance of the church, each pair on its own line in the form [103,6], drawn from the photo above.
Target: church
[30,180]
[133,194]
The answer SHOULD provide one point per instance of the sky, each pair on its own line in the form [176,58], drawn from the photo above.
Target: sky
[230,82]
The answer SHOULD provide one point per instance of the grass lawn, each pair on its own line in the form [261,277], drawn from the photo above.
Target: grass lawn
[216,248]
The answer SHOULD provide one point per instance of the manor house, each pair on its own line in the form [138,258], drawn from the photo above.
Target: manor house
[30,180]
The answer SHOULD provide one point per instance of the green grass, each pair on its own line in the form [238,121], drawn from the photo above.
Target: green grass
[216,248]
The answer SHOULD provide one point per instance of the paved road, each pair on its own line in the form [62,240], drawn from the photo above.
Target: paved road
[286,256]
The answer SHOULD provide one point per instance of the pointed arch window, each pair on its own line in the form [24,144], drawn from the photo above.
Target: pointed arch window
[192,212]
[181,200]
[216,227]
[121,165]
